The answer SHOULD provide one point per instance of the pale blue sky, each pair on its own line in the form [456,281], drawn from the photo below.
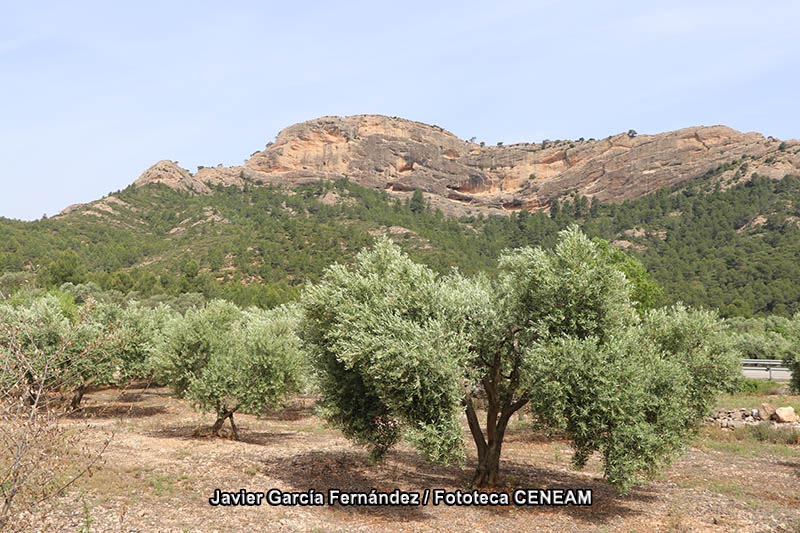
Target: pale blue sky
[92,93]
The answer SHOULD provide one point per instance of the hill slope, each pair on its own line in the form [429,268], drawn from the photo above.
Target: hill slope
[735,249]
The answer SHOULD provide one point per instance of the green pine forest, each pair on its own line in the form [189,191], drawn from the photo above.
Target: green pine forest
[734,248]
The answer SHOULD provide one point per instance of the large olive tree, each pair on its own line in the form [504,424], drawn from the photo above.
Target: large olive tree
[401,351]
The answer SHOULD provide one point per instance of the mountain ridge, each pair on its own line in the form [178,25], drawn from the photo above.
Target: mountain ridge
[461,177]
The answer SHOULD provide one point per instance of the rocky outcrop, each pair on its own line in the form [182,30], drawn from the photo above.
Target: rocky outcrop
[459,176]
[170,174]
[401,156]
[735,418]
[766,411]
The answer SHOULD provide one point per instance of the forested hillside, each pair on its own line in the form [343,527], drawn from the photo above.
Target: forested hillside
[733,248]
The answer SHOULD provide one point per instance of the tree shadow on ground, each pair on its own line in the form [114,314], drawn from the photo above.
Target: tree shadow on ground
[299,407]
[529,435]
[607,504]
[203,432]
[264,438]
[130,397]
[353,471]
[158,392]
[127,394]
[793,466]
[116,411]
[290,413]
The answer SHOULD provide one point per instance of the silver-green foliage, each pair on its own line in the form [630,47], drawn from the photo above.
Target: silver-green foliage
[192,341]
[792,355]
[637,396]
[226,360]
[139,332]
[620,397]
[258,362]
[771,337]
[387,354]
[398,348]
[65,347]
[702,344]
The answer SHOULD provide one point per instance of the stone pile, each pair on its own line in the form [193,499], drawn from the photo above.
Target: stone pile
[741,417]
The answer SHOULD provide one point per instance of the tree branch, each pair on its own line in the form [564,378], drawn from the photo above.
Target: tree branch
[516,406]
[474,425]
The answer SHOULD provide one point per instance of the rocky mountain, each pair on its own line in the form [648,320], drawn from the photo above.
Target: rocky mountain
[712,213]
[707,242]
[460,177]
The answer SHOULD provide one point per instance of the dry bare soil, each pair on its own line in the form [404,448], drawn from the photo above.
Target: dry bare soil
[161,468]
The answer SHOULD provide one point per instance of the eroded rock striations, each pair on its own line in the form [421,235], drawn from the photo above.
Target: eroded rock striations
[460,176]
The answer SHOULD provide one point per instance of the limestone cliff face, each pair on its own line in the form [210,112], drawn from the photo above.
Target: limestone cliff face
[400,156]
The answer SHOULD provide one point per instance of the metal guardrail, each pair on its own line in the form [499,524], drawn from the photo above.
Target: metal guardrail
[767,365]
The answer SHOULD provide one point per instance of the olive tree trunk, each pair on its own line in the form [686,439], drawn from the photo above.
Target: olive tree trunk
[77,397]
[489,445]
[222,415]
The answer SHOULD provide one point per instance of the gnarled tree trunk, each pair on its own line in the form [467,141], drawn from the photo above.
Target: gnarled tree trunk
[500,391]
[488,471]
[77,396]
[222,415]
[490,446]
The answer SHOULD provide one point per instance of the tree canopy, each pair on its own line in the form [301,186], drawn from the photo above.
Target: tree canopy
[400,351]
[226,360]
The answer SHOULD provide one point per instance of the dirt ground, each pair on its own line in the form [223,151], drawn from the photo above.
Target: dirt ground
[159,471]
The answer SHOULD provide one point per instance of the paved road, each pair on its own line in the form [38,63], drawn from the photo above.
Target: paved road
[778,374]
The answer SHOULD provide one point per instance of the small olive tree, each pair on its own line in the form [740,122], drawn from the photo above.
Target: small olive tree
[140,331]
[226,360]
[89,358]
[191,341]
[40,358]
[400,351]
[69,349]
